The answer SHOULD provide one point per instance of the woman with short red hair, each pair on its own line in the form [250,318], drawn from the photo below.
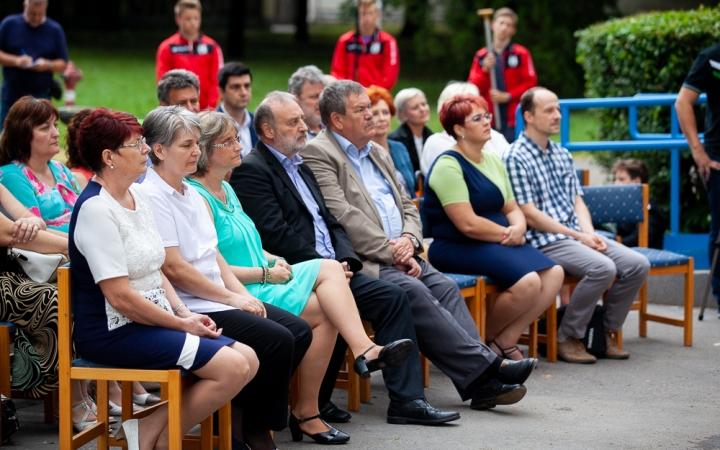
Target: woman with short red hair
[478,227]
[383,111]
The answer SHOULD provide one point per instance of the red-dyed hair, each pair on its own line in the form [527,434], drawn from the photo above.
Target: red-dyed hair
[74,160]
[376,93]
[26,114]
[456,109]
[104,129]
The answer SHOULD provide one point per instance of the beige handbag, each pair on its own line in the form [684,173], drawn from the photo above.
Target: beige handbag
[39,267]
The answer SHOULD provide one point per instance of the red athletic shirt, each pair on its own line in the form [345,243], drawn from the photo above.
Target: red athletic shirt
[379,62]
[519,75]
[203,57]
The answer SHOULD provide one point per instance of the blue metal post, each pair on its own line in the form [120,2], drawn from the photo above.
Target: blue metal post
[674,175]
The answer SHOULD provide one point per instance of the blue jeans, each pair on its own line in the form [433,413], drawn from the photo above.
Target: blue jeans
[713,188]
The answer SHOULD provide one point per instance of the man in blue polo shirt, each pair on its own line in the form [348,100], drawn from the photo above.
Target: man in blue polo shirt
[705,77]
[32,49]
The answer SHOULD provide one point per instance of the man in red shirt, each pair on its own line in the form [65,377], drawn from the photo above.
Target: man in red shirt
[515,72]
[367,55]
[191,50]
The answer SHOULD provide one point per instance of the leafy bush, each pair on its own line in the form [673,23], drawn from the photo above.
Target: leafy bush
[649,53]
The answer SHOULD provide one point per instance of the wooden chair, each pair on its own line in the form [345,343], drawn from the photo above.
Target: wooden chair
[628,204]
[171,381]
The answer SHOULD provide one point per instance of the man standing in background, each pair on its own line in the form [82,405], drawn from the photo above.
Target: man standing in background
[191,50]
[705,77]
[367,55]
[513,67]
[32,49]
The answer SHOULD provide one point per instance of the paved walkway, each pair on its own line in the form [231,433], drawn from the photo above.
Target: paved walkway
[665,396]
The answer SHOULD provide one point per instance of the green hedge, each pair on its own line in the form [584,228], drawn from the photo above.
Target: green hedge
[649,53]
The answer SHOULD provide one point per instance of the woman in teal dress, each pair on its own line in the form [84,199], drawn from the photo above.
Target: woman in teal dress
[27,145]
[315,290]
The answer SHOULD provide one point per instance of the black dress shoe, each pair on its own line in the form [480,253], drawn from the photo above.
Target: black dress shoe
[516,372]
[418,412]
[392,355]
[494,393]
[333,414]
[332,437]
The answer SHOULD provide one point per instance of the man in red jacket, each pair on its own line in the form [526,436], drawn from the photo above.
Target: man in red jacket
[191,50]
[515,72]
[367,55]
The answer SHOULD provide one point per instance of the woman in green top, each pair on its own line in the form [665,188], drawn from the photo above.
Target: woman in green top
[315,290]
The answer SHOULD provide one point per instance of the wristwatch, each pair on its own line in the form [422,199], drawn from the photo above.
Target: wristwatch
[414,240]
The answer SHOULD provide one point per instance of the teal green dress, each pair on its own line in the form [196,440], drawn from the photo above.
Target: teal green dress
[240,244]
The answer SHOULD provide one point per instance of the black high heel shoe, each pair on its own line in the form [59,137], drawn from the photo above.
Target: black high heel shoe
[392,355]
[332,437]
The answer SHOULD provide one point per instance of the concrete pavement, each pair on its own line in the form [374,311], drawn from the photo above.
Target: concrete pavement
[665,396]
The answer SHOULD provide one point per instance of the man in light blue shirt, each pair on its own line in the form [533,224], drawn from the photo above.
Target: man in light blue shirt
[358,182]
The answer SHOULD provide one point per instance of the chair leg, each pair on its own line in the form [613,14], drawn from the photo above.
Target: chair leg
[353,383]
[365,390]
[174,411]
[688,306]
[206,433]
[5,375]
[533,339]
[551,336]
[225,426]
[642,296]
[49,407]
[619,339]
[425,366]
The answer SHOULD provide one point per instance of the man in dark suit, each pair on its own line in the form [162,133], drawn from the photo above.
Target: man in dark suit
[284,200]
[235,82]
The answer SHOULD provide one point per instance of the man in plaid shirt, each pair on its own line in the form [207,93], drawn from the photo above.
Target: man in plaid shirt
[549,194]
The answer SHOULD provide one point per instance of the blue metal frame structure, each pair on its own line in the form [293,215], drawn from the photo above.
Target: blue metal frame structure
[674,141]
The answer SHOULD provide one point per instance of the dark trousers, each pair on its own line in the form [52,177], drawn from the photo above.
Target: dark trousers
[280,342]
[387,308]
[713,189]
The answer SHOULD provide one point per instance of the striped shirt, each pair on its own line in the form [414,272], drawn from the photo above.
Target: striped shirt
[546,178]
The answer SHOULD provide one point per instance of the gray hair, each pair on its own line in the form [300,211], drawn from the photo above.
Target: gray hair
[176,79]
[311,74]
[264,113]
[401,99]
[454,88]
[333,98]
[214,124]
[163,125]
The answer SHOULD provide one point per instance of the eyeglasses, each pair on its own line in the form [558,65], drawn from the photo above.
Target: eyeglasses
[139,144]
[230,143]
[488,116]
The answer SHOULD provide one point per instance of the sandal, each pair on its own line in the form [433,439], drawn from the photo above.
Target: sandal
[504,352]
[84,423]
[93,408]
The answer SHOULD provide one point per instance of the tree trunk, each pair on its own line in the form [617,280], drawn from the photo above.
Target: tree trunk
[235,46]
[301,26]
[416,16]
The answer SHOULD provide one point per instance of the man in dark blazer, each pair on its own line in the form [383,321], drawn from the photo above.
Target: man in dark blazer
[282,197]
[235,83]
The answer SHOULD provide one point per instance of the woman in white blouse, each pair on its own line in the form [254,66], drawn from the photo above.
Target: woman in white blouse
[126,312]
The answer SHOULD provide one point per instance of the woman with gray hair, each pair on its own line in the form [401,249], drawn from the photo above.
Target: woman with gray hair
[442,142]
[413,112]
[205,283]
[316,290]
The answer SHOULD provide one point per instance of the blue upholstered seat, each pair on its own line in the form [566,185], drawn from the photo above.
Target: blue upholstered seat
[10,325]
[662,258]
[463,281]
[617,204]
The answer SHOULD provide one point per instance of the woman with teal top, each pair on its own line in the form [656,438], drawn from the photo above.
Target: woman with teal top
[315,290]
[478,228]
[27,145]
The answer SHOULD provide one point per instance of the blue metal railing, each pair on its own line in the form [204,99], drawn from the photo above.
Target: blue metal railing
[674,141]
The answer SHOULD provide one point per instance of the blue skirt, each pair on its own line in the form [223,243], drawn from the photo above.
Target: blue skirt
[138,346]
